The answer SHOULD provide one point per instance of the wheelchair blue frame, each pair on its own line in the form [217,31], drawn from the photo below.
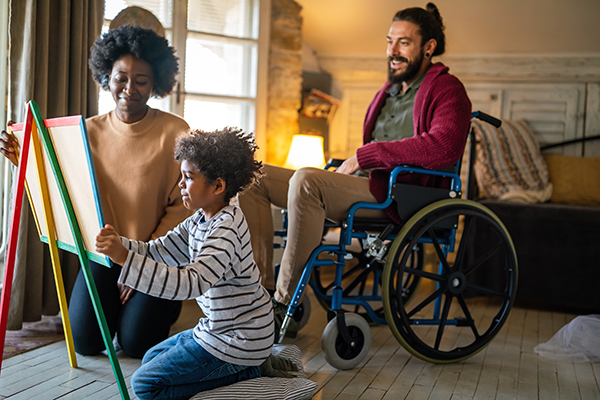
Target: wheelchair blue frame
[347,234]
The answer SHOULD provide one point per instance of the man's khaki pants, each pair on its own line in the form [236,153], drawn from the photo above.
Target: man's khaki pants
[310,195]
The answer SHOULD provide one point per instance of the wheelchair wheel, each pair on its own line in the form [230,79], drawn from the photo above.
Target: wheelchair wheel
[448,320]
[340,354]
[362,276]
[302,313]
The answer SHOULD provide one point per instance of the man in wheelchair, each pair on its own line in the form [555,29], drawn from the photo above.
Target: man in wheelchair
[420,117]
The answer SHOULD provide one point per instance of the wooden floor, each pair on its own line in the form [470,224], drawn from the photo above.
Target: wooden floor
[507,369]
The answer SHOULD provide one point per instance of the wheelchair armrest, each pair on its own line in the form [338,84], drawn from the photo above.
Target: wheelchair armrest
[449,172]
[334,163]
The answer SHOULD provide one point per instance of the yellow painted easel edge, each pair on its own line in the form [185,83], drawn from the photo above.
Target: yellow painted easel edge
[49,220]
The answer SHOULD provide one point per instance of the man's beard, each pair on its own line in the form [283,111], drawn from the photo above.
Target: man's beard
[411,71]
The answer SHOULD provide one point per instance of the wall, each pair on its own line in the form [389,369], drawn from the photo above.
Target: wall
[285,79]
[473,26]
[531,59]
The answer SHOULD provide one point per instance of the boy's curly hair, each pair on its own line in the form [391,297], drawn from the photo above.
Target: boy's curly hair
[227,154]
[142,43]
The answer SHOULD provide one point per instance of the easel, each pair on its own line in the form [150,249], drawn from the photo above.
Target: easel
[33,119]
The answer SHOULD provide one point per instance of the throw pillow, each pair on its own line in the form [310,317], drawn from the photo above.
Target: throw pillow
[509,165]
[576,180]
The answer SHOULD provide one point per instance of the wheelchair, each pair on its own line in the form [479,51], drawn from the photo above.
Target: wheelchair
[415,277]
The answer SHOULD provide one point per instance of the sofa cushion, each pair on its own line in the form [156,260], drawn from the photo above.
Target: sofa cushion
[509,165]
[556,253]
[576,180]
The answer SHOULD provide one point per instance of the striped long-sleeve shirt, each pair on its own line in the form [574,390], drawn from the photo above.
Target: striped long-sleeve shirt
[216,267]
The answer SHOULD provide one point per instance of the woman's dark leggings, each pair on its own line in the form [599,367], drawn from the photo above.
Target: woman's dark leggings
[140,323]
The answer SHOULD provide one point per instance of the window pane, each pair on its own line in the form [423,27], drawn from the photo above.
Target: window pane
[216,114]
[105,102]
[216,67]
[223,17]
[162,9]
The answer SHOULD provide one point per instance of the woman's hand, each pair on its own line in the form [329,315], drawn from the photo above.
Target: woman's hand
[349,166]
[9,145]
[108,242]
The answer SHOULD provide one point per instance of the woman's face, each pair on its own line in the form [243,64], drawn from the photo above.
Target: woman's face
[131,82]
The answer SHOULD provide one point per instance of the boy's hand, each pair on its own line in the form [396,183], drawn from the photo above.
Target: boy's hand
[108,242]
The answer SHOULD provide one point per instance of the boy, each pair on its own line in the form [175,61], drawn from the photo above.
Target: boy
[207,257]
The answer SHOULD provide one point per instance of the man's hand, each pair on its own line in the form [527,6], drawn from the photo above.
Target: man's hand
[9,145]
[108,242]
[349,166]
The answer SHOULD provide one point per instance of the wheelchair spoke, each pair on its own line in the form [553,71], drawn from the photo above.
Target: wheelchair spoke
[361,292]
[440,332]
[481,260]
[328,287]
[427,301]
[487,291]
[440,253]
[465,308]
[360,279]
[352,270]
[463,243]
[424,274]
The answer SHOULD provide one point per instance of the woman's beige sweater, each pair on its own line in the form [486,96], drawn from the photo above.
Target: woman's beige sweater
[137,175]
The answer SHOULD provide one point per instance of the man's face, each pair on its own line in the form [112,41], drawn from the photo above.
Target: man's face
[404,51]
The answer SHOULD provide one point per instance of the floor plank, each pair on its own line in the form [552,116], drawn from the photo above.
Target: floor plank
[508,368]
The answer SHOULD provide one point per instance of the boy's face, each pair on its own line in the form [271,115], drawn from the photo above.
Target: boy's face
[195,192]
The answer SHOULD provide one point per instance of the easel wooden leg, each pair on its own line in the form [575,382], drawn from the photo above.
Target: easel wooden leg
[91,285]
[49,220]
[9,265]
[87,273]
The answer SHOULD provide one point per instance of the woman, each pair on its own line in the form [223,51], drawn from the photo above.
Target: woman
[132,148]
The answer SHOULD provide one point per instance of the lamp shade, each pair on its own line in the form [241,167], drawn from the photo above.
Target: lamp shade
[306,151]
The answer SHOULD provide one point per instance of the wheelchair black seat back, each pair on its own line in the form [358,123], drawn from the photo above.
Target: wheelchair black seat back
[414,277]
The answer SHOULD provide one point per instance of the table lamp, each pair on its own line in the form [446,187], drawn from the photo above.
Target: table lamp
[305,151]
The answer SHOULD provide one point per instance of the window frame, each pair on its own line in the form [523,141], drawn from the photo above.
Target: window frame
[179,33]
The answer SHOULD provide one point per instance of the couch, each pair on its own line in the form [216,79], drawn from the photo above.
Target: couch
[554,222]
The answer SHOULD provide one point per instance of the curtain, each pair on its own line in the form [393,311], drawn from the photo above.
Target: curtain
[49,48]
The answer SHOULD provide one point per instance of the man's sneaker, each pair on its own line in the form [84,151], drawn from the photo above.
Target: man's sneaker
[280,310]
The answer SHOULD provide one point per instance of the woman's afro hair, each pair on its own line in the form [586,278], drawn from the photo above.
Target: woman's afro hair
[142,43]
[227,154]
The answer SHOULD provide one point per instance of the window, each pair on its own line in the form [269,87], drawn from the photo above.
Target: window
[217,42]
[222,50]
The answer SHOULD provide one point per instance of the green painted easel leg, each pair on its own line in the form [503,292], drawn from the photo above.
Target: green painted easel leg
[81,252]
[114,361]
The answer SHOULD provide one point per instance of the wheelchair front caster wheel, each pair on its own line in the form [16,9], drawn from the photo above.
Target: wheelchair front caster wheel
[340,354]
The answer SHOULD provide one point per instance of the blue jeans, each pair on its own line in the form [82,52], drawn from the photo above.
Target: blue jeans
[178,368]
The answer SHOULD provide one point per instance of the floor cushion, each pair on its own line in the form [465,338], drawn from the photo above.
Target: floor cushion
[298,388]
